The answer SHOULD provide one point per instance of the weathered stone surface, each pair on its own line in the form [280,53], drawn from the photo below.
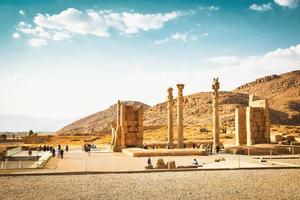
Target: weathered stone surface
[240,126]
[171,164]
[180,102]
[170,118]
[128,130]
[252,123]
[215,106]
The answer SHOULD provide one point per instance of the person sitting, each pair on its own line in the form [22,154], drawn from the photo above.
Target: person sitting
[145,146]
[149,161]
[195,162]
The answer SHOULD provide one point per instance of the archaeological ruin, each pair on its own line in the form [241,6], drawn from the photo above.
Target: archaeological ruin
[170,118]
[180,116]
[215,106]
[252,124]
[127,130]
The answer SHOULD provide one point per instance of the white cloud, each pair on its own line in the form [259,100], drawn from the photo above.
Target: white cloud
[205,34]
[263,7]
[212,7]
[22,12]
[162,41]
[71,21]
[224,60]
[280,58]
[252,67]
[16,35]
[37,42]
[288,3]
[59,36]
[184,37]
[178,36]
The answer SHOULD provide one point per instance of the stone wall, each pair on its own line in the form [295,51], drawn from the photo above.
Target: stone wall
[127,130]
[240,126]
[252,125]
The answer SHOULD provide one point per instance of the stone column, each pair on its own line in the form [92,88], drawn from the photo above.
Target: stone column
[180,116]
[170,118]
[215,105]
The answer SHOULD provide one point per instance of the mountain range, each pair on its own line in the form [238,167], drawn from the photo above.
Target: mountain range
[282,92]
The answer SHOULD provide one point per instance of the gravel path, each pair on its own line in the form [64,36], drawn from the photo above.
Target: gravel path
[242,184]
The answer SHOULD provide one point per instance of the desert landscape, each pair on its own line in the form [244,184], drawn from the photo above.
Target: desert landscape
[150,99]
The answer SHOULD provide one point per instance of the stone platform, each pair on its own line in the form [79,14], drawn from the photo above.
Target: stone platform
[264,149]
[138,152]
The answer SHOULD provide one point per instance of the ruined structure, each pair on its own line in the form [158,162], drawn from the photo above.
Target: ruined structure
[170,118]
[240,126]
[180,116]
[215,106]
[252,124]
[127,130]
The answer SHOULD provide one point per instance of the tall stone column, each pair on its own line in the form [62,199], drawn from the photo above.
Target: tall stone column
[180,116]
[170,118]
[215,105]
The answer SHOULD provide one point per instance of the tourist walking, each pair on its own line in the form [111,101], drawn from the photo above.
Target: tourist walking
[29,152]
[67,148]
[218,149]
[53,152]
[61,153]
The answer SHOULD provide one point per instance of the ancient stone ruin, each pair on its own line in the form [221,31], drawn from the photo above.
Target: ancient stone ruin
[180,116]
[170,118]
[252,125]
[127,130]
[215,106]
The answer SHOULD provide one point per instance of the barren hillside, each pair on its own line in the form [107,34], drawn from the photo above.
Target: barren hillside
[283,92]
[96,123]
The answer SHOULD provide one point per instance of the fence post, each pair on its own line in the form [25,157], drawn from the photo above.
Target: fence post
[271,156]
[5,165]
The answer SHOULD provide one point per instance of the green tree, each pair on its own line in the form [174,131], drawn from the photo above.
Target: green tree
[30,132]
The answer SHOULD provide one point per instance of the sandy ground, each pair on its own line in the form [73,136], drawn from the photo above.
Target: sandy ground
[236,184]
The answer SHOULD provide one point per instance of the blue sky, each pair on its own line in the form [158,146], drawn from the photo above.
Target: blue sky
[62,59]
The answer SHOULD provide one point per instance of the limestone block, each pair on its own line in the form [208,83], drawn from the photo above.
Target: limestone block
[160,161]
[171,164]
[149,167]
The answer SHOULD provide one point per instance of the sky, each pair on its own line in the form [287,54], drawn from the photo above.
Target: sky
[64,59]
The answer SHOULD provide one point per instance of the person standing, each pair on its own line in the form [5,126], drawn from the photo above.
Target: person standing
[61,153]
[29,152]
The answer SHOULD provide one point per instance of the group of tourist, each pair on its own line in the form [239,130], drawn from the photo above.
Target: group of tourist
[59,150]
[208,148]
[87,148]
[195,162]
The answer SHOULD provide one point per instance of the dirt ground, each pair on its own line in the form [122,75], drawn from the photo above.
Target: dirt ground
[236,184]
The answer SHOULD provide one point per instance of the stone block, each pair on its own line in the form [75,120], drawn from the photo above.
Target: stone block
[171,164]
[149,167]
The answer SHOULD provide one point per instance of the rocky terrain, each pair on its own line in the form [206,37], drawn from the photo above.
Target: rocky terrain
[228,184]
[282,91]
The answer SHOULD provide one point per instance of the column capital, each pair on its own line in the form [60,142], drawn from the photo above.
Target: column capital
[180,86]
[216,84]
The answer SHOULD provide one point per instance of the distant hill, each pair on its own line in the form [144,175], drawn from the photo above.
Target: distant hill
[282,91]
[98,122]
